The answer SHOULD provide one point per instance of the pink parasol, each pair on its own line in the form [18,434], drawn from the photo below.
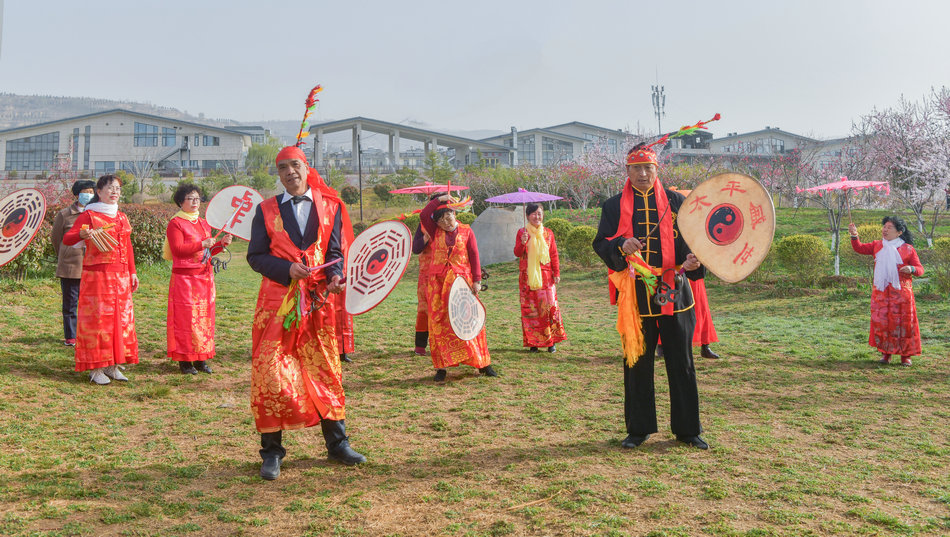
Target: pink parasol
[428,188]
[847,185]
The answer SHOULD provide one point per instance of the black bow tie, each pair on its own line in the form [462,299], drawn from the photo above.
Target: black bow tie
[298,199]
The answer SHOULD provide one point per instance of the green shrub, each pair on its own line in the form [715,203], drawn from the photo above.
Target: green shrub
[149,223]
[350,194]
[940,264]
[466,218]
[359,227]
[766,271]
[412,222]
[578,245]
[560,227]
[805,257]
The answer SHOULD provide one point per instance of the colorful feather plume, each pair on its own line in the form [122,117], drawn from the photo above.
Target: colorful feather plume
[461,205]
[690,129]
[311,107]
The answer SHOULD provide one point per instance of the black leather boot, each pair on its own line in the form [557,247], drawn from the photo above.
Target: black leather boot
[338,445]
[271,454]
[201,366]
[345,358]
[187,369]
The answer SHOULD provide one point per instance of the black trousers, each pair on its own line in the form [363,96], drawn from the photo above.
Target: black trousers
[639,395]
[70,287]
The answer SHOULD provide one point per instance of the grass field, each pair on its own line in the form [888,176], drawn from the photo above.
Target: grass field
[809,435]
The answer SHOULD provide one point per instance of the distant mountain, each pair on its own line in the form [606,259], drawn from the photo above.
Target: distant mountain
[18,110]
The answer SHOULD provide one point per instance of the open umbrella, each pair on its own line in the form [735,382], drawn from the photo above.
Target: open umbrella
[847,185]
[523,196]
[428,188]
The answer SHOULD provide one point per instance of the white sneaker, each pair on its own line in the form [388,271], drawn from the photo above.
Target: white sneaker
[97,376]
[113,373]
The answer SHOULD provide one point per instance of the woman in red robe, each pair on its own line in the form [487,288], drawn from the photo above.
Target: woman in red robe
[894,326]
[539,274]
[454,254]
[191,291]
[105,334]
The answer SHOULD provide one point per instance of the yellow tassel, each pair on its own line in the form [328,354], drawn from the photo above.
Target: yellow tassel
[290,300]
[628,317]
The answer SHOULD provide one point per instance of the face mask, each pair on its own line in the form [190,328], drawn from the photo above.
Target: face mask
[85,198]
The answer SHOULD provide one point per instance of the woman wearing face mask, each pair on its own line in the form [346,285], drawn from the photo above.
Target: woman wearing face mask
[894,327]
[191,292]
[69,260]
[106,324]
[454,254]
[539,274]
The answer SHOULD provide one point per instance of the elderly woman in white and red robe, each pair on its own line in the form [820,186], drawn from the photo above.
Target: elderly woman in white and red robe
[191,292]
[894,326]
[105,328]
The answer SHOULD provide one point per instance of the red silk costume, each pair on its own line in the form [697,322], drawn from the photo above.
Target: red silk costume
[541,324]
[422,317]
[189,327]
[445,266]
[894,326]
[105,328]
[296,378]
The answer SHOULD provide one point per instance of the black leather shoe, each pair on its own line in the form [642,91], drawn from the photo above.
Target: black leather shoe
[440,375]
[694,441]
[187,369]
[634,440]
[488,371]
[552,348]
[706,352]
[270,468]
[201,366]
[533,349]
[345,358]
[345,454]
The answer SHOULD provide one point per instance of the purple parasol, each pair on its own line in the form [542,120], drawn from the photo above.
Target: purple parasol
[523,196]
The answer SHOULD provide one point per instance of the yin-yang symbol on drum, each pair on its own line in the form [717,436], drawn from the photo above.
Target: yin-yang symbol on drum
[15,222]
[724,224]
[377,261]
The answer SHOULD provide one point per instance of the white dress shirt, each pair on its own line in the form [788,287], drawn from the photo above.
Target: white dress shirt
[301,210]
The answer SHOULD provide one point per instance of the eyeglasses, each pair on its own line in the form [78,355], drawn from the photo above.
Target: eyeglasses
[113,189]
[193,198]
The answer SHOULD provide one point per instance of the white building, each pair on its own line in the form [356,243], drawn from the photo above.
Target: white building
[104,142]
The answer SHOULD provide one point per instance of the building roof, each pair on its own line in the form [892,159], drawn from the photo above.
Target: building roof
[411,133]
[770,130]
[587,125]
[120,111]
[542,131]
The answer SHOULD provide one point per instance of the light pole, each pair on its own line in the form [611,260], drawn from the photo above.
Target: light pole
[659,105]
[359,152]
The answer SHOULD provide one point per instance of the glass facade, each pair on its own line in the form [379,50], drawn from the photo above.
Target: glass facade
[104,166]
[168,137]
[554,151]
[210,141]
[218,164]
[74,150]
[526,150]
[87,134]
[146,135]
[32,153]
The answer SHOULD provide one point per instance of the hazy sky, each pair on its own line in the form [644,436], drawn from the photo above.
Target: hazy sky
[809,67]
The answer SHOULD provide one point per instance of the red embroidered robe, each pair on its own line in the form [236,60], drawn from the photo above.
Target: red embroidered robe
[446,265]
[189,328]
[105,327]
[296,378]
[541,324]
